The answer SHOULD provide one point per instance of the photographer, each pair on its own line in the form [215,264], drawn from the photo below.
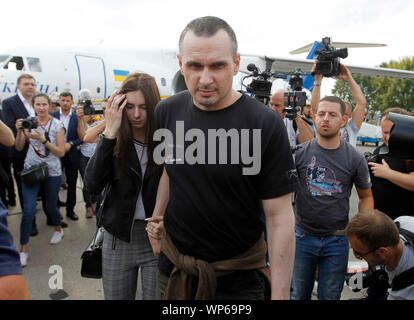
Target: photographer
[46,144]
[350,131]
[376,238]
[298,130]
[392,179]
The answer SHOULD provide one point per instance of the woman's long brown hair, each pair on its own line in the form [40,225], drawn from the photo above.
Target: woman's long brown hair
[125,146]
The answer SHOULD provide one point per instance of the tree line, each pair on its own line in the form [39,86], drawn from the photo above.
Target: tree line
[382,93]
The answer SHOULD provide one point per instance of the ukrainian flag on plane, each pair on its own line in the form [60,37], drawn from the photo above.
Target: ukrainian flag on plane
[120,75]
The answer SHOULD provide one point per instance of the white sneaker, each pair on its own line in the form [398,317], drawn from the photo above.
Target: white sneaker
[57,237]
[23,258]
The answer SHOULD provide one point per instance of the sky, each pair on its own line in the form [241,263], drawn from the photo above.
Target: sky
[271,27]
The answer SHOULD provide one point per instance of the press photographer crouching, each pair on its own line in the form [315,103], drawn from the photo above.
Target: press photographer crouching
[392,165]
[380,241]
[46,137]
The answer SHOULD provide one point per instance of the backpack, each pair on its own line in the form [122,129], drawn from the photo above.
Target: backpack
[406,278]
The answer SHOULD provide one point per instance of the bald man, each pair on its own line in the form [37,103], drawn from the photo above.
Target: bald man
[298,130]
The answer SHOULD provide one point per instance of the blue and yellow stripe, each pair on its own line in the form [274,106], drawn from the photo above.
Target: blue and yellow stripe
[120,75]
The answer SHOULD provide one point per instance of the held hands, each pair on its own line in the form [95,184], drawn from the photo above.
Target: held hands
[154,229]
[113,114]
[380,170]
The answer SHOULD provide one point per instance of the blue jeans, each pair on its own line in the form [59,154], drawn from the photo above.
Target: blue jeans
[52,187]
[330,254]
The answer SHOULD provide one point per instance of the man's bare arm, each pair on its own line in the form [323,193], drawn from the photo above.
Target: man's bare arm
[13,287]
[280,226]
[358,114]
[305,131]
[6,135]
[366,200]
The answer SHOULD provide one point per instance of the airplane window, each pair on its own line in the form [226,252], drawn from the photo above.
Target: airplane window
[15,63]
[3,59]
[34,64]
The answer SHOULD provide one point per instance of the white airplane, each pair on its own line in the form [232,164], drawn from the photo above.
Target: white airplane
[102,70]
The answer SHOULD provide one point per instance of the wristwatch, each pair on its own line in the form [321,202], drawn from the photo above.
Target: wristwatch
[44,142]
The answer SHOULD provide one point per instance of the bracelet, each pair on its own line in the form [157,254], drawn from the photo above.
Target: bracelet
[317,84]
[44,142]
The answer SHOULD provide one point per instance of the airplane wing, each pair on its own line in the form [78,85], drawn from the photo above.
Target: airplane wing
[290,65]
[340,45]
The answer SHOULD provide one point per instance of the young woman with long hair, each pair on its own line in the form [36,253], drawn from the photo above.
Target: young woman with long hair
[123,165]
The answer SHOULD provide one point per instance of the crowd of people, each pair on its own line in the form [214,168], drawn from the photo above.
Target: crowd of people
[208,229]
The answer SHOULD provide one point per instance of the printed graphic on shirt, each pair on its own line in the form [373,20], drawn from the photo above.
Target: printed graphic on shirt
[344,135]
[321,180]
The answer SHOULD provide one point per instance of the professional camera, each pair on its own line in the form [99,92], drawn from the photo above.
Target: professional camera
[85,101]
[29,123]
[328,59]
[295,98]
[260,86]
[375,278]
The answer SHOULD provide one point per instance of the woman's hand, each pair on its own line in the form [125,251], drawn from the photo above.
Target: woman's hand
[35,134]
[113,114]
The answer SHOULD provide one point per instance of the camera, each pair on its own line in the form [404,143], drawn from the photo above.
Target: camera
[295,98]
[29,123]
[375,278]
[329,58]
[85,101]
[260,86]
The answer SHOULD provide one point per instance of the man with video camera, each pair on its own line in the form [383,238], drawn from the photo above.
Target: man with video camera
[355,118]
[298,130]
[392,178]
[380,241]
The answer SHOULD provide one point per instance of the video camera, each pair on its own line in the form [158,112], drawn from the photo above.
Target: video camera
[295,98]
[260,86]
[29,123]
[85,101]
[329,59]
[401,141]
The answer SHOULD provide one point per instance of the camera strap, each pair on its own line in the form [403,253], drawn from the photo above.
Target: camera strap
[46,137]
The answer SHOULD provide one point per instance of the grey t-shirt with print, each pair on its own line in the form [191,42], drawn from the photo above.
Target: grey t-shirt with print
[326,178]
[53,161]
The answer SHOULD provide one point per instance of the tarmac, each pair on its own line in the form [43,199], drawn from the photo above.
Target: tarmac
[53,271]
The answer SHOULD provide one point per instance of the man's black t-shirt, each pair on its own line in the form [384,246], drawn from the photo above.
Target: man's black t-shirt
[214,207]
[390,198]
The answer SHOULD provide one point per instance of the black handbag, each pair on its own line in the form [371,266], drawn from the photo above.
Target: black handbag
[35,174]
[91,266]
[92,257]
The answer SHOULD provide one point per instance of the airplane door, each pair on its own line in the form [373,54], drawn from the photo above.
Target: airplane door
[92,76]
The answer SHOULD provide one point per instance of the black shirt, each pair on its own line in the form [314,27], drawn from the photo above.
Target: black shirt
[214,208]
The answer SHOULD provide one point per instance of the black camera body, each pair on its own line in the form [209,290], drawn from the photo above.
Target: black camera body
[29,123]
[375,278]
[295,99]
[260,86]
[329,59]
[88,108]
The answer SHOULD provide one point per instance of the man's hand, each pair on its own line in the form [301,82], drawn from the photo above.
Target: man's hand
[345,74]
[381,170]
[155,227]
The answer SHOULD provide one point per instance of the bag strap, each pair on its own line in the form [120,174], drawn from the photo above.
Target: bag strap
[99,213]
[403,280]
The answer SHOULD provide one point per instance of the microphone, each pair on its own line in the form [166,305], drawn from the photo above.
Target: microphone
[85,94]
